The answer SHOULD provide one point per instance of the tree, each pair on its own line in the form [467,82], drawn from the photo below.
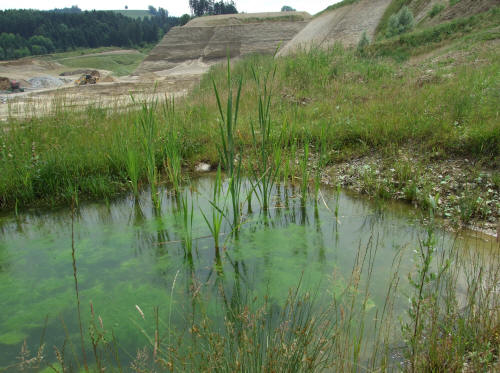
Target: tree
[400,22]
[185,18]
[152,10]
[287,8]
[24,32]
[211,7]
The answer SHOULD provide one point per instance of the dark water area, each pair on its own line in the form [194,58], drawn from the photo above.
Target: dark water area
[129,257]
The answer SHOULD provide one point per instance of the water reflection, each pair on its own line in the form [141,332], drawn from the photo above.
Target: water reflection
[128,253]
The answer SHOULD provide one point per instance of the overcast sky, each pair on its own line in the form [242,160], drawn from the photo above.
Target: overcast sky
[175,7]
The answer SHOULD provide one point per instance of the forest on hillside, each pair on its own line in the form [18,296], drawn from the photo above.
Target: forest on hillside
[26,32]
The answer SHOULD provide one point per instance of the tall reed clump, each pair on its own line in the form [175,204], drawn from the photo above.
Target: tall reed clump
[320,164]
[228,154]
[267,150]
[173,150]
[147,127]
[132,162]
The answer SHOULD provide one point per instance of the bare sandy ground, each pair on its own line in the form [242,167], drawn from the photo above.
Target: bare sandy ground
[46,91]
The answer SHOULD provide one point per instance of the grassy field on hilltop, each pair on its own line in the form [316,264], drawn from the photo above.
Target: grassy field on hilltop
[118,60]
[134,13]
[119,64]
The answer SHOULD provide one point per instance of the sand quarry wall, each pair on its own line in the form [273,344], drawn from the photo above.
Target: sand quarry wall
[345,24]
[208,39]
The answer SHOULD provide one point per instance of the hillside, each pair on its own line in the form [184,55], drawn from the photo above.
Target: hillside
[207,40]
[343,24]
[433,12]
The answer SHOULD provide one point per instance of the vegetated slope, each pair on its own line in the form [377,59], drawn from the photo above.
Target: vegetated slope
[208,39]
[432,12]
[344,24]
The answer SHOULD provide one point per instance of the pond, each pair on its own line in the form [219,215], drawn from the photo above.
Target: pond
[130,259]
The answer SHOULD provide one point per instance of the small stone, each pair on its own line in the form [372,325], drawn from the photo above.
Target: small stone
[202,167]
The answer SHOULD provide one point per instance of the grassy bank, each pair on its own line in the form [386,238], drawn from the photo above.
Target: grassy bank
[442,108]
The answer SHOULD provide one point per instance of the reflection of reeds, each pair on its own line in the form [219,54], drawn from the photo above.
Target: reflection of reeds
[73,256]
[304,167]
[218,206]
[187,214]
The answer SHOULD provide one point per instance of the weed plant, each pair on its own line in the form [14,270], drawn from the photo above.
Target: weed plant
[228,154]
[266,148]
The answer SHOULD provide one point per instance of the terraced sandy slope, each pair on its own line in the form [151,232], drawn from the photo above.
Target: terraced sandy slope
[345,24]
[206,40]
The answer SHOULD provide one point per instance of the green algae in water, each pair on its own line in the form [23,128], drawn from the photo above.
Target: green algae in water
[12,338]
[127,256]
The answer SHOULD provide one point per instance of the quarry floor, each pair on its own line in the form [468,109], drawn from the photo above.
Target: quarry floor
[48,84]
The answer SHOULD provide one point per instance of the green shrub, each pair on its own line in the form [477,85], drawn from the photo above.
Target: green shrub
[400,22]
[453,2]
[436,9]
[363,44]
[21,52]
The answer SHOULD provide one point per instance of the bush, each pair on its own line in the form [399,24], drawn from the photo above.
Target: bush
[21,52]
[363,44]
[400,22]
[38,50]
[436,9]
[185,18]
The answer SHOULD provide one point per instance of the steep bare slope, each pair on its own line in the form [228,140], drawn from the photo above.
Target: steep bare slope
[345,24]
[206,40]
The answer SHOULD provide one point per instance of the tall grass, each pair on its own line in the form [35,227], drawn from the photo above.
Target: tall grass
[147,128]
[266,147]
[228,153]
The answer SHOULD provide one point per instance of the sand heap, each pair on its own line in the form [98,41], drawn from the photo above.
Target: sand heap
[206,40]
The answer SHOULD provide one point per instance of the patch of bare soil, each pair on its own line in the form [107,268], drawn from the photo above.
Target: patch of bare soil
[469,194]
[49,85]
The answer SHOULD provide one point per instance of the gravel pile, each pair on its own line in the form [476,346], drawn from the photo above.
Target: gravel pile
[46,82]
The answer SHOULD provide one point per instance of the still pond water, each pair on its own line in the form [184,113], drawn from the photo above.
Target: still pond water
[127,255]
